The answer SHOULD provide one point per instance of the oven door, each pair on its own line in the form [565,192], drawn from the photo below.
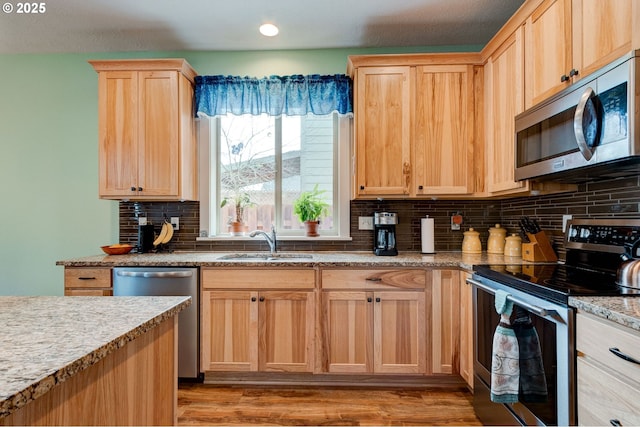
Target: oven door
[554,325]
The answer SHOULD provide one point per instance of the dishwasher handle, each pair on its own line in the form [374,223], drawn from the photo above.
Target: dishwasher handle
[155,274]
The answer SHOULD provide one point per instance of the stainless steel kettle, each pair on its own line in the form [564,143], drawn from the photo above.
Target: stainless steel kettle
[629,270]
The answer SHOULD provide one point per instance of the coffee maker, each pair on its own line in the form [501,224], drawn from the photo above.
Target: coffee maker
[384,233]
[145,238]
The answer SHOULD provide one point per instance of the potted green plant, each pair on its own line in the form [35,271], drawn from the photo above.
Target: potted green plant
[241,201]
[309,207]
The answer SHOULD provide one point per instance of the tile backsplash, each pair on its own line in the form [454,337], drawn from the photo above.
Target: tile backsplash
[618,198]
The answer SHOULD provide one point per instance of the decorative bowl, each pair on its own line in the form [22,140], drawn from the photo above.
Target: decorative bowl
[117,249]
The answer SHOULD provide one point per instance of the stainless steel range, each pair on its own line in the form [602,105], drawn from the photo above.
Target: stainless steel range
[540,294]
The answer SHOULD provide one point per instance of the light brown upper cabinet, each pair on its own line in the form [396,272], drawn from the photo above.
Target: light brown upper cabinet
[146,127]
[505,79]
[443,132]
[383,131]
[414,125]
[569,39]
[504,99]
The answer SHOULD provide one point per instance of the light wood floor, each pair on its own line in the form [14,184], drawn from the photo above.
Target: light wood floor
[200,404]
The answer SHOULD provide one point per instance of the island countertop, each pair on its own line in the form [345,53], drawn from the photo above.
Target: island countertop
[46,340]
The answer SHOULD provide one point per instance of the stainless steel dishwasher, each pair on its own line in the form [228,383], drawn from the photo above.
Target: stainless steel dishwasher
[168,281]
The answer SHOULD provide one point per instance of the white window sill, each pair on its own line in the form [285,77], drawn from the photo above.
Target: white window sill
[280,238]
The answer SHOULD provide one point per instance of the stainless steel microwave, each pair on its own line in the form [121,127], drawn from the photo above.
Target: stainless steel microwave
[585,132]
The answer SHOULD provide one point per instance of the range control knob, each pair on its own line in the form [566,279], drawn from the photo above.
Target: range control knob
[585,233]
[573,232]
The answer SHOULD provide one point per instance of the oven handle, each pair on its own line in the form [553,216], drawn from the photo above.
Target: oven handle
[542,312]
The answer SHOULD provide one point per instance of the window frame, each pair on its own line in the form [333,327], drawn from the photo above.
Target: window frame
[207,129]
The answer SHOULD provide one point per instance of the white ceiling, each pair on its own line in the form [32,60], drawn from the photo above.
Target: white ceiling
[76,26]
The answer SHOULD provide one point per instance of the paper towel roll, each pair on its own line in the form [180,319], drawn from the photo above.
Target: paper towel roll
[426,235]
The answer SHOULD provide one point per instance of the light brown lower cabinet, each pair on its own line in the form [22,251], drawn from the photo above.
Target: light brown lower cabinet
[89,281]
[444,325]
[608,385]
[374,321]
[258,329]
[466,329]
[349,321]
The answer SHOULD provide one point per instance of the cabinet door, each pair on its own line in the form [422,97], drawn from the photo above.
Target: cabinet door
[118,134]
[504,74]
[548,50]
[286,331]
[229,330]
[602,31]
[443,134]
[445,321]
[382,114]
[466,329]
[158,133]
[399,332]
[348,331]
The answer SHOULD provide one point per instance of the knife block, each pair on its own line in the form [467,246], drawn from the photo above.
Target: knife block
[538,249]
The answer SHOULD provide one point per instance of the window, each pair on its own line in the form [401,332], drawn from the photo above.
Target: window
[254,167]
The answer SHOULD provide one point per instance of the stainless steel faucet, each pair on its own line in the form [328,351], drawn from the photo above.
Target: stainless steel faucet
[270,238]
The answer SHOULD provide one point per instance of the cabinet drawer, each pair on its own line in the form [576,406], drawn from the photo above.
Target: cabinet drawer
[88,292]
[594,338]
[80,277]
[603,397]
[373,279]
[258,278]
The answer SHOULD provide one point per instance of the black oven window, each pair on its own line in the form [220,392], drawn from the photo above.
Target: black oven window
[550,138]
[487,320]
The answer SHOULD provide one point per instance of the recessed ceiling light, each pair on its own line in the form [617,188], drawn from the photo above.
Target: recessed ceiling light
[269,30]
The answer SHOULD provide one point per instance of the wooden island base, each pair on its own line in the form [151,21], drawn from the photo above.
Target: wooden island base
[135,385]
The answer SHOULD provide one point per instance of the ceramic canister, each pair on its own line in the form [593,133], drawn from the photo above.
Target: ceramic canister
[471,242]
[495,244]
[513,246]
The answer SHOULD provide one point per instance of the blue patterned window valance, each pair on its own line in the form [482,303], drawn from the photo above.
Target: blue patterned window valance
[295,95]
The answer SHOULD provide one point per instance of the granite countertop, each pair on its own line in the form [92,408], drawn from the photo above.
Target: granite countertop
[318,259]
[622,310]
[46,340]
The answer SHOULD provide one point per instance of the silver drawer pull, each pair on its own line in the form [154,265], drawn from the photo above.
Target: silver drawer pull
[621,355]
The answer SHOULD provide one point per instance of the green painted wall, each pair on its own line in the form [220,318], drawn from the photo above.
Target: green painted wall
[48,157]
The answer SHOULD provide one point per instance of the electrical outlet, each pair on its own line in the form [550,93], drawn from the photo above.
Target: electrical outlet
[565,219]
[456,220]
[365,223]
[142,220]
[175,222]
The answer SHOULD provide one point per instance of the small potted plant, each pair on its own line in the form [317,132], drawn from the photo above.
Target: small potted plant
[241,201]
[309,207]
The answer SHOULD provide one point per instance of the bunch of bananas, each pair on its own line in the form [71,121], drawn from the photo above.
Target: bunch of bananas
[166,233]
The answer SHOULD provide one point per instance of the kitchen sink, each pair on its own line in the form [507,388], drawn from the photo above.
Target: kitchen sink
[264,256]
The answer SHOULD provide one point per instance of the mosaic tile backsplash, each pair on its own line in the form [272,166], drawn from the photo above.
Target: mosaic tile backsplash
[618,198]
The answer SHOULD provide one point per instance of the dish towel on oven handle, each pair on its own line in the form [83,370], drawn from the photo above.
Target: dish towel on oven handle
[505,363]
[533,382]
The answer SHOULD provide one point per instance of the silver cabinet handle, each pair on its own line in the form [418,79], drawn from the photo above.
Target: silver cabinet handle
[155,274]
[578,128]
